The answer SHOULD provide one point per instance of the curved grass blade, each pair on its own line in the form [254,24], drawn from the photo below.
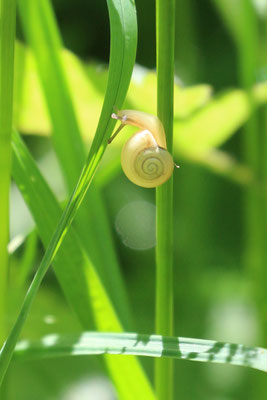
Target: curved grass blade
[122,57]
[144,345]
[44,38]
[76,273]
[40,27]
[71,264]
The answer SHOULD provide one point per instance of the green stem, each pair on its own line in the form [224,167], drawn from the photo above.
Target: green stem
[248,58]
[7,40]
[255,202]
[165,23]
[264,182]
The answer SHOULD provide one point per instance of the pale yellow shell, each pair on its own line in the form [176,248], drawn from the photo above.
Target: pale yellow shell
[144,163]
[144,158]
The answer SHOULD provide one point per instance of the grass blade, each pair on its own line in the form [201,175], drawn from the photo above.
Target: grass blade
[94,231]
[248,53]
[43,36]
[123,49]
[46,212]
[78,277]
[7,42]
[165,22]
[144,345]
[41,32]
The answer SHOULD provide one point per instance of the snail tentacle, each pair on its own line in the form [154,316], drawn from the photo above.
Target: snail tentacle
[144,158]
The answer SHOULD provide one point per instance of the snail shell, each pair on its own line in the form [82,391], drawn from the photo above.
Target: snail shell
[145,163]
[144,158]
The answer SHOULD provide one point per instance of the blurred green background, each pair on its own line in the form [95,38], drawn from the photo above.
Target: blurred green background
[214,290]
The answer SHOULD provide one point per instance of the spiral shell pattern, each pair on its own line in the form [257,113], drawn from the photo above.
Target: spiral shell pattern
[148,164]
[144,162]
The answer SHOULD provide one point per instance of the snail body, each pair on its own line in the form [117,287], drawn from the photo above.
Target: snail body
[144,158]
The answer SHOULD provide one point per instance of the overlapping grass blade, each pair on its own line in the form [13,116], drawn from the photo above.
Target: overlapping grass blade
[123,48]
[70,265]
[76,274]
[91,223]
[144,345]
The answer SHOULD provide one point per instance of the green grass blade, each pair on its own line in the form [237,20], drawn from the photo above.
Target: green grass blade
[41,32]
[242,21]
[7,43]
[78,277]
[165,24]
[91,222]
[70,264]
[248,54]
[144,345]
[28,259]
[94,231]
[254,257]
[123,49]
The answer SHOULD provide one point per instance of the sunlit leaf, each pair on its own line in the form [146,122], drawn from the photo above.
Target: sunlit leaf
[144,345]
[202,122]
[88,83]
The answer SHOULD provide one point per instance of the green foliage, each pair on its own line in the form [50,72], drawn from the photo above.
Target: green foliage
[64,103]
[77,275]
[121,63]
[200,122]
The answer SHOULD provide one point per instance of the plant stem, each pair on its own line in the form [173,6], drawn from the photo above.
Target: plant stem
[248,55]
[264,183]
[255,147]
[254,154]
[7,40]
[165,25]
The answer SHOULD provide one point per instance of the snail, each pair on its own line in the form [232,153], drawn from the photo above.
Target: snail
[144,157]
